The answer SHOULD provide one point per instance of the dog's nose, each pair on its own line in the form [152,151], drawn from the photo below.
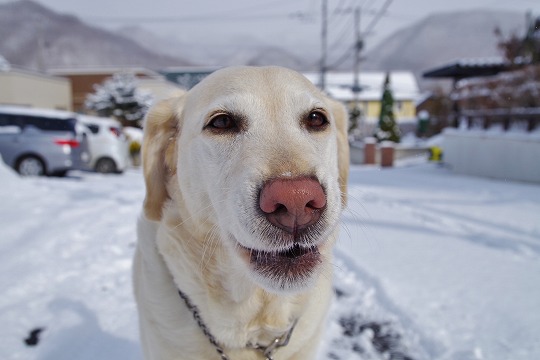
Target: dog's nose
[292,204]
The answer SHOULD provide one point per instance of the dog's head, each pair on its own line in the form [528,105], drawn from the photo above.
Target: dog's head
[259,158]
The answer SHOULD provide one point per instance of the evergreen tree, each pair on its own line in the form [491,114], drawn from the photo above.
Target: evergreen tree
[119,97]
[387,128]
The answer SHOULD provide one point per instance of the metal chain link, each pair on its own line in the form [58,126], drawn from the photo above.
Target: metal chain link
[267,351]
[195,311]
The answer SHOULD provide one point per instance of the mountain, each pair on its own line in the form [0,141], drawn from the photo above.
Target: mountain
[441,38]
[35,37]
[433,41]
[243,50]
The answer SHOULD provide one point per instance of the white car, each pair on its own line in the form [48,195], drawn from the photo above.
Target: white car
[108,146]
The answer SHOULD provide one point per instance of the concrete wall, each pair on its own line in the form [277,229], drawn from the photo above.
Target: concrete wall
[500,155]
[35,90]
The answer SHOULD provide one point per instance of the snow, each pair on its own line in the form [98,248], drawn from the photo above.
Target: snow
[134,134]
[429,265]
[403,83]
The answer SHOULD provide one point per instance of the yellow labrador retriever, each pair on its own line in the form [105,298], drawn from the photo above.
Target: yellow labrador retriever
[245,181]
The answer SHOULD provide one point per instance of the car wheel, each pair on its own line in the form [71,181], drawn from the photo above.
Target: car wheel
[105,166]
[30,166]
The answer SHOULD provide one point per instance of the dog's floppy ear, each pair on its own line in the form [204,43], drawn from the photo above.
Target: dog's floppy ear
[342,124]
[161,130]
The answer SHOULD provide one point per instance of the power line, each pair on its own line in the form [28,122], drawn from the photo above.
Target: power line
[195,18]
[223,16]
[324,39]
[378,16]
[352,49]
[343,32]
[344,57]
[343,36]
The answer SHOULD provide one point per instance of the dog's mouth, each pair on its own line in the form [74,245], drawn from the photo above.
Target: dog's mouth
[295,264]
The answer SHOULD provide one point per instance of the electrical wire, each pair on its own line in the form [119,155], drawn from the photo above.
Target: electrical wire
[223,16]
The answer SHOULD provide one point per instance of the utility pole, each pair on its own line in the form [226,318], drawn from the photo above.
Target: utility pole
[356,114]
[324,40]
[358,46]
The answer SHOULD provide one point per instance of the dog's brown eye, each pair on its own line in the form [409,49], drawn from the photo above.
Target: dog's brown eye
[222,122]
[316,121]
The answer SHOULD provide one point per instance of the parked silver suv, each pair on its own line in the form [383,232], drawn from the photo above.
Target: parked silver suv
[41,142]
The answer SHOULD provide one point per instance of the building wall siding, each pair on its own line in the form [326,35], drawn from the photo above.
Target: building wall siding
[17,88]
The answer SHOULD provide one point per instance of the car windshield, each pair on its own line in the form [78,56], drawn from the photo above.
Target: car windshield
[40,122]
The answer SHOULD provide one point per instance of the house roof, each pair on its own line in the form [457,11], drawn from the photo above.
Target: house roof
[466,68]
[32,73]
[104,71]
[188,69]
[339,85]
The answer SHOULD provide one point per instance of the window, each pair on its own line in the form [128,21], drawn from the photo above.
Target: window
[40,122]
[93,128]
[50,124]
[8,120]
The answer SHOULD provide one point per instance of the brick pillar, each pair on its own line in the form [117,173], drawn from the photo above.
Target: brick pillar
[369,150]
[387,154]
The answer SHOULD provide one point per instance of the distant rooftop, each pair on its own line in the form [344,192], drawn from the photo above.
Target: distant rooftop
[104,70]
[339,85]
[465,68]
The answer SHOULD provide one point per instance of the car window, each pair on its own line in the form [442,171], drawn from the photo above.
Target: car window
[9,120]
[50,124]
[93,128]
[39,122]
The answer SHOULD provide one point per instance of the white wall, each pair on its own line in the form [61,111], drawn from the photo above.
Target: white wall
[500,155]
[34,90]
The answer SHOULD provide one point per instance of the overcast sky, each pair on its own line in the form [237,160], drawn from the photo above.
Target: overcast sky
[290,23]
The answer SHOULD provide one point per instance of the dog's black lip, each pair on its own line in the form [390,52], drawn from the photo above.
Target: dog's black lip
[293,264]
[294,252]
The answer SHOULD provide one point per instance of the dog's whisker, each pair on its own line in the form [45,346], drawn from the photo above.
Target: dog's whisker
[197,213]
[358,222]
[211,241]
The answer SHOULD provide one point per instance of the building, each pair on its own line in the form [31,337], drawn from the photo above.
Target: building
[187,76]
[33,89]
[84,80]
[496,112]
[404,90]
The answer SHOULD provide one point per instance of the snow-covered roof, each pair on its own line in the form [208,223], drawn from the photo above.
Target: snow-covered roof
[465,68]
[485,61]
[26,72]
[339,85]
[104,70]
[18,110]
[189,69]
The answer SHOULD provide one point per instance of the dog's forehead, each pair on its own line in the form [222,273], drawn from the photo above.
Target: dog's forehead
[238,86]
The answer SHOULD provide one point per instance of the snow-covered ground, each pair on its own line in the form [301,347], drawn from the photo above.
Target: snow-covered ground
[429,265]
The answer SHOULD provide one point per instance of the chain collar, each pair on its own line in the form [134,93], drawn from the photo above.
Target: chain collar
[267,351]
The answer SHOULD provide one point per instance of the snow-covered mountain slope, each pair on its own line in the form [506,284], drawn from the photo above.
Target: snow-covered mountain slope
[38,38]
